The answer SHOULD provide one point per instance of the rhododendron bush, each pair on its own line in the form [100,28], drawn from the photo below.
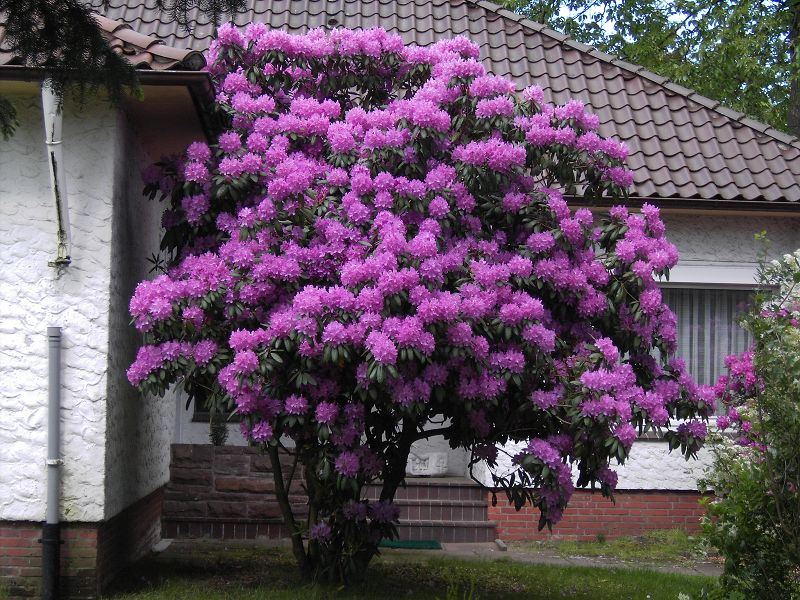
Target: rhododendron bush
[754,521]
[379,236]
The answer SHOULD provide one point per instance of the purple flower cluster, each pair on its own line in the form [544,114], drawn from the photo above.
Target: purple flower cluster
[384,512]
[494,154]
[393,253]
[149,359]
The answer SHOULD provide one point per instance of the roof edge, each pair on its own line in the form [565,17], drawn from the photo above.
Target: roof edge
[675,88]
[698,204]
[198,83]
[146,76]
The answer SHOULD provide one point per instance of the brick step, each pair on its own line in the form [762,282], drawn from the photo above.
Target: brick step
[436,510]
[228,529]
[247,529]
[447,531]
[443,510]
[434,488]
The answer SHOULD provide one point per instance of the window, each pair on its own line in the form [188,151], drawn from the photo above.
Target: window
[201,411]
[708,329]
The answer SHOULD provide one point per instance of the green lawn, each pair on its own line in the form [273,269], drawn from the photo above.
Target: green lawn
[667,546]
[203,571]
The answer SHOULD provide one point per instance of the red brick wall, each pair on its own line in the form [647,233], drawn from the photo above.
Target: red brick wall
[128,536]
[91,553]
[21,558]
[589,515]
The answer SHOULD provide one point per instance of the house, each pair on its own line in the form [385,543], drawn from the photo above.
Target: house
[718,176]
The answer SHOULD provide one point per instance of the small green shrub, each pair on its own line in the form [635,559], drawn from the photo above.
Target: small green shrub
[217,429]
[754,521]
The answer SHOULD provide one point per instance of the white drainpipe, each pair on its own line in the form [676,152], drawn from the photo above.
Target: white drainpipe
[58,178]
[51,529]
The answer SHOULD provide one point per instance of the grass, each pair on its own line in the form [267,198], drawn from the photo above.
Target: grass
[654,547]
[257,573]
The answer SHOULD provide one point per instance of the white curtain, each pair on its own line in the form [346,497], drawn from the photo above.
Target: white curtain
[707,328]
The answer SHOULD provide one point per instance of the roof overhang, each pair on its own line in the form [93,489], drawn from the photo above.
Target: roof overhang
[197,83]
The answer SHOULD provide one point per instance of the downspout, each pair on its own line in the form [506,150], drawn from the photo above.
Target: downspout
[51,530]
[51,109]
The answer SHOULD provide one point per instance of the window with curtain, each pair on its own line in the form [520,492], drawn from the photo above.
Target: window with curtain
[708,329]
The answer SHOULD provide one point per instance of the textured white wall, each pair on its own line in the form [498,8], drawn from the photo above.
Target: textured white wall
[115,443]
[456,458]
[138,428]
[650,466]
[720,249]
[33,296]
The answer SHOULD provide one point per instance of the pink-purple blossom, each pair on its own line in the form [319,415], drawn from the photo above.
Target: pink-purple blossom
[354,260]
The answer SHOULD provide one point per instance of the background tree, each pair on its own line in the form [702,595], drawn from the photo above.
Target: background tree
[63,39]
[380,237]
[740,52]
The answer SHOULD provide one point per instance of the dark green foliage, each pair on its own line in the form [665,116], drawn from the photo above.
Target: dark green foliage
[217,429]
[739,52]
[62,38]
[183,11]
[8,118]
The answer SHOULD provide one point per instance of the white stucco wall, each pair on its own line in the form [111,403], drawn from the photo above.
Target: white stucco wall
[115,444]
[456,458]
[718,249]
[34,296]
[138,428]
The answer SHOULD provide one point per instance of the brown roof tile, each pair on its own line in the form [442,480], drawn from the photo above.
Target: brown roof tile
[683,145]
[142,51]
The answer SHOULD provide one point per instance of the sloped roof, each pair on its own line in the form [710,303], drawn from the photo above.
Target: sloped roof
[683,146]
[142,51]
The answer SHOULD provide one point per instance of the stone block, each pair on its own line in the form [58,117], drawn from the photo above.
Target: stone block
[263,510]
[184,508]
[260,463]
[243,484]
[231,464]
[219,450]
[197,477]
[192,456]
[231,496]
[236,510]
[203,451]
[181,451]
[181,492]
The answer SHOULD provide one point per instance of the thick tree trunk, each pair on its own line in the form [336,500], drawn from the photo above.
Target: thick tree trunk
[395,471]
[282,494]
[310,557]
[393,476]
